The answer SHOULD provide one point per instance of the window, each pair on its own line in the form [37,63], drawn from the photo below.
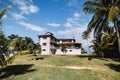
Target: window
[44,49]
[44,37]
[70,50]
[44,44]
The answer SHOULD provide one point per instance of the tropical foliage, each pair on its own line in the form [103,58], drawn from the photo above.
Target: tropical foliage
[3,41]
[105,13]
[63,49]
[14,45]
[2,12]
[102,43]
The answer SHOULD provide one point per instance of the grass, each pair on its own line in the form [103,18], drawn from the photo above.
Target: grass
[27,67]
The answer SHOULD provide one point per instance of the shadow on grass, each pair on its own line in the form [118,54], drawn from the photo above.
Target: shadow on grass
[116,59]
[81,56]
[115,67]
[39,58]
[15,70]
[104,59]
[86,56]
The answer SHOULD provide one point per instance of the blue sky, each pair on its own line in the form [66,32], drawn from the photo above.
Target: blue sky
[64,18]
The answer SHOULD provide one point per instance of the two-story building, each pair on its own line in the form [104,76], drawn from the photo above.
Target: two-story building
[52,45]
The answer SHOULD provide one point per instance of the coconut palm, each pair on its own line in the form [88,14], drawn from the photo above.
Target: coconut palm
[13,45]
[105,12]
[3,46]
[2,13]
[102,42]
[2,38]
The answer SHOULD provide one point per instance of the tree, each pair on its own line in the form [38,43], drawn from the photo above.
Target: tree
[24,43]
[3,48]
[29,43]
[13,36]
[3,44]
[37,49]
[102,42]
[14,44]
[63,49]
[14,49]
[85,36]
[105,12]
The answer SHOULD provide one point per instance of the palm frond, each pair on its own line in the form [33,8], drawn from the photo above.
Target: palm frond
[89,6]
[92,6]
[11,59]
[90,26]
[85,35]
[2,60]
[96,27]
[114,11]
[3,11]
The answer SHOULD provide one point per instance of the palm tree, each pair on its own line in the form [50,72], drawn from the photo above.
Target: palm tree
[2,13]
[2,38]
[13,44]
[85,36]
[3,48]
[105,12]
[102,42]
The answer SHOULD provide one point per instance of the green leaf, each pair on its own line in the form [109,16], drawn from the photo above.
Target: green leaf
[2,13]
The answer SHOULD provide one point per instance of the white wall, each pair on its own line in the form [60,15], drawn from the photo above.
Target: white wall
[73,52]
[58,51]
[47,47]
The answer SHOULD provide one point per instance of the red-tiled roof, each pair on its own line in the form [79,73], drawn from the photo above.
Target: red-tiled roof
[67,43]
[64,39]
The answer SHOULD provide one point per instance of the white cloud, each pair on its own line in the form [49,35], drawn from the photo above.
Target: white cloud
[73,21]
[77,32]
[25,6]
[32,26]
[18,16]
[5,16]
[33,9]
[74,3]
[53,24]
[76,14]
[68,24]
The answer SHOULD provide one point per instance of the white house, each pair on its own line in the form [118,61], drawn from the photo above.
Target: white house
[52,45]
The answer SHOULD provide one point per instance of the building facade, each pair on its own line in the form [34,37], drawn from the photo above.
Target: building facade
[52,45]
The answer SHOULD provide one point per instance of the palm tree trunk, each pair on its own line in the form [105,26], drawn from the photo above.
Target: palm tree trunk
[118,37]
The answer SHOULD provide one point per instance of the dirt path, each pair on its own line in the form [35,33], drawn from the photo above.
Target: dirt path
[74,67]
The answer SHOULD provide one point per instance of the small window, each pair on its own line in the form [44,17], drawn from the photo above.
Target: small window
[70,50]
[44,49]
[44,37]
[44,44]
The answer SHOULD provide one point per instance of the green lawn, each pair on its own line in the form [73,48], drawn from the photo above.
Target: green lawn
[27,67]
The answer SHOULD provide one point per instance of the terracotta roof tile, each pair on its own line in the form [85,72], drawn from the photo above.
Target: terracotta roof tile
[67,43]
